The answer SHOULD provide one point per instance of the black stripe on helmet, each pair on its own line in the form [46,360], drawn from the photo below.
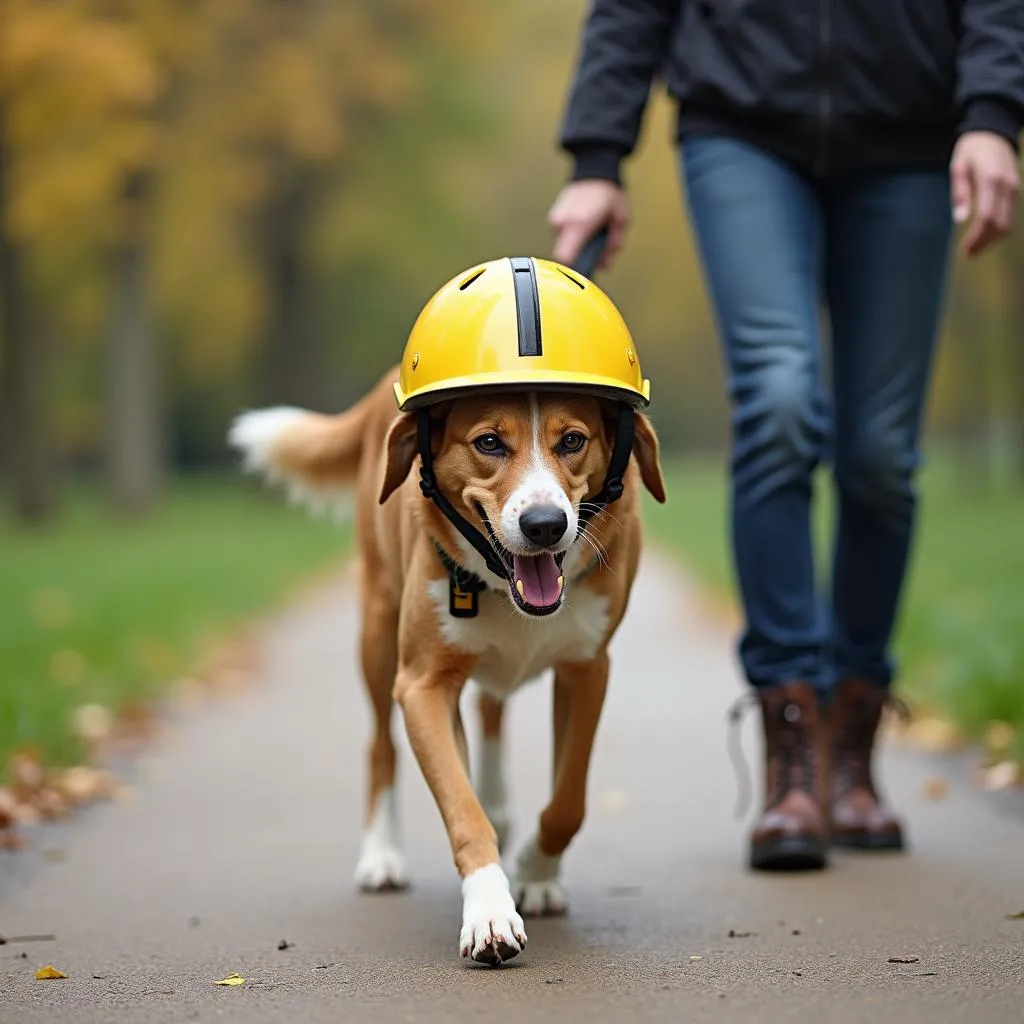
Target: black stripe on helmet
[524,279]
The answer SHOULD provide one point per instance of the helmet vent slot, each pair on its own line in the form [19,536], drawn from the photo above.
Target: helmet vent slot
[579,284]
[472,277]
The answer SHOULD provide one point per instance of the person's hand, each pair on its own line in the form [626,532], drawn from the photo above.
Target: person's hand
[581,209]
[985,184]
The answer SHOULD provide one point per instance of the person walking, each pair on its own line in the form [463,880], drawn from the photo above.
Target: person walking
[828,147]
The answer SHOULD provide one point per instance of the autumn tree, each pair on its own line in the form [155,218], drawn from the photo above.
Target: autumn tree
[74,87]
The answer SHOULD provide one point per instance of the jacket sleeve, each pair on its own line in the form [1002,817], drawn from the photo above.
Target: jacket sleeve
[625,43]
[990,79]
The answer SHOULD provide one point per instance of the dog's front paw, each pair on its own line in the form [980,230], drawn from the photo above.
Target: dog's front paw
[536,888]
[492,931]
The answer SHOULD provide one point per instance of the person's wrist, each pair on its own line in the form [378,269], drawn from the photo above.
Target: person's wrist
[992,115]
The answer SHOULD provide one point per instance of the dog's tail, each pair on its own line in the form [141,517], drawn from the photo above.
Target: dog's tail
[313,456]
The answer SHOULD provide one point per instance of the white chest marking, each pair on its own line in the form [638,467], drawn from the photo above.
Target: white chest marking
[514,649]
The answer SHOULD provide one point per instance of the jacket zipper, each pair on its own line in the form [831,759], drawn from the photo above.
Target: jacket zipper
[825,93]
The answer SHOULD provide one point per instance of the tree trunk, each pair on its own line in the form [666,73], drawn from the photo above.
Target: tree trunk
[135,443]
[290,367]
[24,364]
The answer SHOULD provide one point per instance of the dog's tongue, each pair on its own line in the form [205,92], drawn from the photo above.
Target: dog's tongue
[540,577]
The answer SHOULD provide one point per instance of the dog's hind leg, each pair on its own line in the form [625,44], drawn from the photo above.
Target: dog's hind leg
[381,865]
[490,774]
[579,696]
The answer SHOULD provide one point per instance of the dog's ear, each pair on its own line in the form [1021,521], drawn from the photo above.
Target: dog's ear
[647,453]
[402,448]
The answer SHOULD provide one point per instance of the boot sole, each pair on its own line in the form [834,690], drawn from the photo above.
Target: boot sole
[789,853]
[869,841]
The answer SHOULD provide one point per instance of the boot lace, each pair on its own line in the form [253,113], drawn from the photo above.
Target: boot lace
[796,751]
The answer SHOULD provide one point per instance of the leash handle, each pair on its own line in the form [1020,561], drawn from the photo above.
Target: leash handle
[590,255]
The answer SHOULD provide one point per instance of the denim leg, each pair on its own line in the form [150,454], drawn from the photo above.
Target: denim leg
[758,225]
[887,241]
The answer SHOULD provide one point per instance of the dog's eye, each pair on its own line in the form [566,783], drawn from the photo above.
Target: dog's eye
[572,442]
[489,444]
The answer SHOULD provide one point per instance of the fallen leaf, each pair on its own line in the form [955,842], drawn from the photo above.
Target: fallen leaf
[1001,776]
[231,979]
[8,807]
[50,804]
[933,735]
[83,784]
[49,972]
[935,789]
[1015,917]
[26,814]
[26,773]
[903,959]
[92,722]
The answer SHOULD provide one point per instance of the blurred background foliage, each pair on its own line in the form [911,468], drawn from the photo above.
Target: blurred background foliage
[209,206]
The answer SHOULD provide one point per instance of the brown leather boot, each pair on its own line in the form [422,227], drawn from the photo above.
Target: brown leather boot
[860,820]
[792,834]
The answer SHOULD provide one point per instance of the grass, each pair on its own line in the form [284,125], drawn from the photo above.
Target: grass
[960,639]
[97,611]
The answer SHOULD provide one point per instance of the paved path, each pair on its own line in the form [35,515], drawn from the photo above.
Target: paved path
[247,829]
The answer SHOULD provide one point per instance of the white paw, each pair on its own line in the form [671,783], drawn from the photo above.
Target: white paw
[381,869]
[492,931]
[536,888]
[540,899]
[381,866]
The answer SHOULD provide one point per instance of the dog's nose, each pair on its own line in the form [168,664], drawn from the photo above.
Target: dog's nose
[543,525]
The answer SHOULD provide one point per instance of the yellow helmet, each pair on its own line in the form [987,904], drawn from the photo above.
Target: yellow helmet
[520,324]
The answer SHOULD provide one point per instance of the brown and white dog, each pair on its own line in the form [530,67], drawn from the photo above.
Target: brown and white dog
[529,461]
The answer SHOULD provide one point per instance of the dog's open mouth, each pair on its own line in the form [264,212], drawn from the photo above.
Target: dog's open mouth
[537,582]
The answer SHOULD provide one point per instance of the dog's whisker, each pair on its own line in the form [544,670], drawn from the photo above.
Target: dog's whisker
[602,554]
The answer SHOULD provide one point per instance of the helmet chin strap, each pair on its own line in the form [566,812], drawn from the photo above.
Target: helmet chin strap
[610,492]
[622,448]
[428,485]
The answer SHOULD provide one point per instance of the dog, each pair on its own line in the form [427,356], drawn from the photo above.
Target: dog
[523,464]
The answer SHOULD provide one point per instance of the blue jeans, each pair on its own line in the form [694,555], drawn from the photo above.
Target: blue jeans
[776,247]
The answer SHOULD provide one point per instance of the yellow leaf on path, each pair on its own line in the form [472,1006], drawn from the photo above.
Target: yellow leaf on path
[935,789]
[231,979]
[49,972]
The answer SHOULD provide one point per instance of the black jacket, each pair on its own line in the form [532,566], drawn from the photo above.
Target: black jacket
[832,85]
